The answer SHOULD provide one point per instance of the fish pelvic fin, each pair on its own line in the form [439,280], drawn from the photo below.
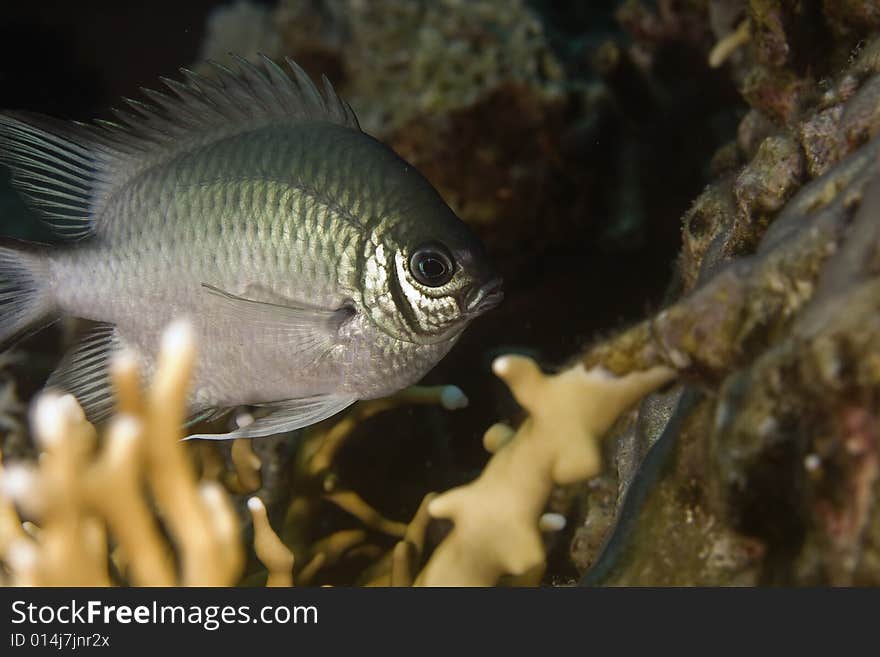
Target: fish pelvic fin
[205,415]
[286,416]
[26,302]
[84,373]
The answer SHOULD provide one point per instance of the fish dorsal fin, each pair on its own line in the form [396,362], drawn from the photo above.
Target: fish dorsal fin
[286,416]
[83,372]
[68,171]
[53,167]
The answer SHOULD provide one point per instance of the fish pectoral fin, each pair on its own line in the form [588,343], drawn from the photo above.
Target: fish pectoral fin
[286,416]
[309,327]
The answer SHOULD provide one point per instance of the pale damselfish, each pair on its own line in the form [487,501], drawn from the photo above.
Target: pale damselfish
[316,266]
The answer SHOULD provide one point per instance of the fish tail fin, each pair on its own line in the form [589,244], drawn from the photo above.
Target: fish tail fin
[26,302]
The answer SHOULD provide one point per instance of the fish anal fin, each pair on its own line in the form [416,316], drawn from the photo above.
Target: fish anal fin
[83,372]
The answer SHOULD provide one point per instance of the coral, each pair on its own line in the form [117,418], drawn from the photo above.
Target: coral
[408,60]
[847,17]
[764,468]
[469,92]
[496,518]
[78,494]
[317,484]
[306,488]
[247,467]
[243,28]
[277,558]
[84,498]
[754,315]
[400,566]
[578,155]
[723,50]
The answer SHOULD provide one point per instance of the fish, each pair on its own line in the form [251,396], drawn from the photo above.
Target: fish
[315,265]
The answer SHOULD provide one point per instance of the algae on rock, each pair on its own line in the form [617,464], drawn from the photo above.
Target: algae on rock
[767,469]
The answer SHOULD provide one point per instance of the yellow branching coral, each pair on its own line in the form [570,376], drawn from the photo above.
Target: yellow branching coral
[78,494]
[496,517]
[722,50]
[247,465]
[273,554]
[315,472]
[322,445]
[400,566]
[93,502]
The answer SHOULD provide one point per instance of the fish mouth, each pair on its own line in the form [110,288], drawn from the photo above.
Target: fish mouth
[485,297]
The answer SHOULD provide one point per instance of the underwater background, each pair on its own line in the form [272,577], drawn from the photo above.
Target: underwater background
[669,183]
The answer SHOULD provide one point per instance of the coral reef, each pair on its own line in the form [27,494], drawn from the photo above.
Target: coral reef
[407,61]
[82,499]
[242,28]
[469,92]
[579,155]
[78,495]
[457,88]
[496,517]
[764,469]
[555,155]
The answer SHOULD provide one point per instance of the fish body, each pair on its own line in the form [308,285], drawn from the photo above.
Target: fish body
[316,266]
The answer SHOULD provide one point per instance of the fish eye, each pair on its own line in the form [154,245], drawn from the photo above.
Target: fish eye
[431,264]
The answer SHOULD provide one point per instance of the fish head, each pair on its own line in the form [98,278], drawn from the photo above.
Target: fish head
[434,275]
